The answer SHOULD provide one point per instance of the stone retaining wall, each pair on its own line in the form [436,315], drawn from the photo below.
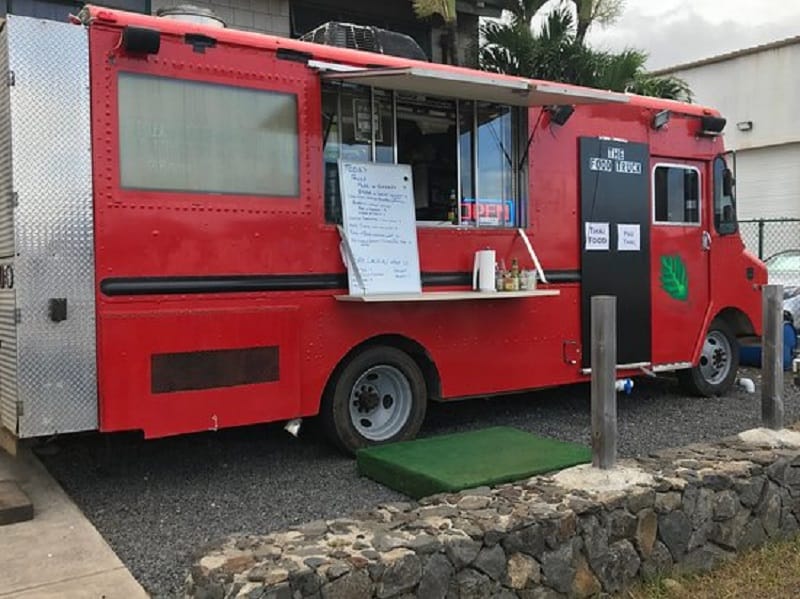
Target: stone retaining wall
[532,539]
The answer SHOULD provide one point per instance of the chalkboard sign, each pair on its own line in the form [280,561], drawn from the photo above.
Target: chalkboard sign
[380,228]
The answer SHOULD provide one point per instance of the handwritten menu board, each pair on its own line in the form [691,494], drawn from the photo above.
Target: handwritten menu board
[380,226]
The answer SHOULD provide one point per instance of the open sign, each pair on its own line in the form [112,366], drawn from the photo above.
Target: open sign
[490,212]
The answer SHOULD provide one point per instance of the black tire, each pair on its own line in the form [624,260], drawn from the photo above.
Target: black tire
[699,380]
[335,410]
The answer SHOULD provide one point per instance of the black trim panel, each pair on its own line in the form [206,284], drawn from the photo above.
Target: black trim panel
[255,283]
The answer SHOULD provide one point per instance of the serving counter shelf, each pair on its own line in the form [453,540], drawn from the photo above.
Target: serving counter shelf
[446,296]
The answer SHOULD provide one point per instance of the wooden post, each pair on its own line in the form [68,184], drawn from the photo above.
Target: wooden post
[604,374]
[772,358]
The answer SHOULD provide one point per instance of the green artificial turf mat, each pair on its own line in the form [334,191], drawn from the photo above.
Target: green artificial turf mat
[465,460]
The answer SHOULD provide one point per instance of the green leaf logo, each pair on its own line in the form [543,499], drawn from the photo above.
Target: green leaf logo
[673,277]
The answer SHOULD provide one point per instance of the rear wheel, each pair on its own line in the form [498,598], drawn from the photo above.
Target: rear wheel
[378,396]
[716,371]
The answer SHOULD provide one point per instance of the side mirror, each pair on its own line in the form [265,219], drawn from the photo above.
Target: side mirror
[727,182]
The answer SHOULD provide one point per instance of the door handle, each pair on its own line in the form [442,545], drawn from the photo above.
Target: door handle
[706,240]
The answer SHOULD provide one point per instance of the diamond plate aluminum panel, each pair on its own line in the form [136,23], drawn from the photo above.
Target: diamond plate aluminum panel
[8,327]
[6,203]
[52,174]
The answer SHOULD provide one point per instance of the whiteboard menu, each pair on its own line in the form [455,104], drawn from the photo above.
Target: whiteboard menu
[380,228]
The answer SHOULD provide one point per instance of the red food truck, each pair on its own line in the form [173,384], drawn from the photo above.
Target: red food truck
[171,243]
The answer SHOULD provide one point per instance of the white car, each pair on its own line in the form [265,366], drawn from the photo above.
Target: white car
[783,268]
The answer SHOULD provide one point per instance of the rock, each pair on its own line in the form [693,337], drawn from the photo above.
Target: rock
[621,525]
[646,532]
[619,567]
[789,525]
[698,505]
[281,591]
[769,508]
[435,578]
[667,502]
[523,570]
[558,569]
[317,528]
[462,551]
[306,581]
[238,563]
[473,502]
[384,542]
[437,511]
[257,574]
[594,537]
[267,551]
[473,585]
[674,529]
[337,569]
[585,583]
[791,476]
[355,585]
[315,562]
[401,576]
[715,480]
[726,504]
[753,535]
[424,543]
[702,559]
[641,499]
[749,490]
[484,491]
[659,562]
[492,562]
[728,534]
[528,540]
[210,591]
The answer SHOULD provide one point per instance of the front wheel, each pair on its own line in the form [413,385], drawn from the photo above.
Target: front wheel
[716,371]
[378,396]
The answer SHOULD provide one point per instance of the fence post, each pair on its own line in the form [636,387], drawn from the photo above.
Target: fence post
[772,358]
[760,238]
[604,371]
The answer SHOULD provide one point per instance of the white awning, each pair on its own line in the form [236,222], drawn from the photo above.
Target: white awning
[486,87]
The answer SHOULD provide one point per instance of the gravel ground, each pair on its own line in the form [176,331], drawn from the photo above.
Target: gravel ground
[158,502]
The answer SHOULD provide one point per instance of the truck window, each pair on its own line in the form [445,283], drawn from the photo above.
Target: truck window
[458,151]
[676,193]
[724,201]
[195,137]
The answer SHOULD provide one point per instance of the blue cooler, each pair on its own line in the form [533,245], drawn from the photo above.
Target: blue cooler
[751,355]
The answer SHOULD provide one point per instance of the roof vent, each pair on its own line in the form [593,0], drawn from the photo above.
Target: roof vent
[191,14]
[367,38]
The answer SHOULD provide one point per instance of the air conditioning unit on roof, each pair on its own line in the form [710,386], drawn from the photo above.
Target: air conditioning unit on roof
[367,38]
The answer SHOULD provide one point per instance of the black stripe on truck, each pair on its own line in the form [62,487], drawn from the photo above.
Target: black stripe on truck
[259,283]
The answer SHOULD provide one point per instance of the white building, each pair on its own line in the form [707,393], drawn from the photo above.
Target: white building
[758,91]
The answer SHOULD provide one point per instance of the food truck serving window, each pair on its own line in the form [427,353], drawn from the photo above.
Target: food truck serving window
[191,136]
[463,154]
[676,191]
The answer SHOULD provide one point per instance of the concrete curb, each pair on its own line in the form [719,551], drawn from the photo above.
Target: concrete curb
[58,553]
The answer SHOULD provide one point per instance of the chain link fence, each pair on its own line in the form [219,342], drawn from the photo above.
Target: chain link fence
[767,236]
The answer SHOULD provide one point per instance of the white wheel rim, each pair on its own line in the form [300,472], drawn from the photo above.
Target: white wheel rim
[380,402]
[716,358]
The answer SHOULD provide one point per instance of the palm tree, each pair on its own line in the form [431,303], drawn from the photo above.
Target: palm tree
[446,9]
[555,52]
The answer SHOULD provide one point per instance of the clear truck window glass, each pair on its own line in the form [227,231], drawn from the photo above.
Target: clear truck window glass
[677,195]
[724,205]
[189,136]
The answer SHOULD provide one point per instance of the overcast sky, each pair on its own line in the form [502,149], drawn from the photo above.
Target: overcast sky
[677,31]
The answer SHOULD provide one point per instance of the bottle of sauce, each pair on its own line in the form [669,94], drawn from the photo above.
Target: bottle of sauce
[452,208]
[514,275]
